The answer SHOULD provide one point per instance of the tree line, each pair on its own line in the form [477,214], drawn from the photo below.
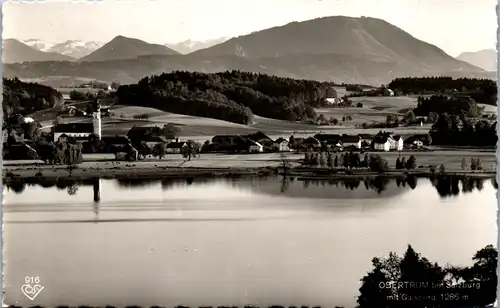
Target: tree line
[483,91]
[232,95]
[462,131]
[27,97]
[351,160]
[440,104]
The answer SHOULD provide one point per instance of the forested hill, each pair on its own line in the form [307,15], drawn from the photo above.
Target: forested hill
[24,98]
[232,95]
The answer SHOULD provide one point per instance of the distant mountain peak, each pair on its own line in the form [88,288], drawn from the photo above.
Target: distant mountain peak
[484,58]
[122,47]
[16,51]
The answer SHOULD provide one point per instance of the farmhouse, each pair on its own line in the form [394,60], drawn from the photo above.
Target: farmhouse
[329,140]
[75,130]
[351,141]
[255,147]
[382,143]
[281,145]
[396,143]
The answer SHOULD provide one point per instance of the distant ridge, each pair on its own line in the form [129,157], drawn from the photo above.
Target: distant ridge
[485,59]
[15,51]
[339,49]
[122,47]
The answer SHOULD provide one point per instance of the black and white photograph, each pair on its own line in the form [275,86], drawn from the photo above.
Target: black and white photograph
[249,153]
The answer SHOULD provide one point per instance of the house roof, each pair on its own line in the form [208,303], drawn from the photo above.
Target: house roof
[257,136]
[74,128]
[381,139]
[350,139]
[312,140]
[280,140]
[327,137]
[397,137]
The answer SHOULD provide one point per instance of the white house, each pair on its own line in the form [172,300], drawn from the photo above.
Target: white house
[281,145]
[418,143]
[396,143]
[255,147]
[382,143]
[333,100]
[388,92]
[351,141]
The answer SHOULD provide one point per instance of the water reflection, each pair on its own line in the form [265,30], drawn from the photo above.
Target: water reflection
[445,185]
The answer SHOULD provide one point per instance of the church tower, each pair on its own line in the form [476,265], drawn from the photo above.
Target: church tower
[96,117]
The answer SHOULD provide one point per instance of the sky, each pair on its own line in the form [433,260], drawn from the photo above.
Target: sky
[453,25]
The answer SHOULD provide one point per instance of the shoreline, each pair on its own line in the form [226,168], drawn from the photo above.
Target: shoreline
[147,171]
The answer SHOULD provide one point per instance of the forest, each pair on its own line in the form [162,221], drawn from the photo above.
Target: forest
[233,96]
[26,97]
[483,91]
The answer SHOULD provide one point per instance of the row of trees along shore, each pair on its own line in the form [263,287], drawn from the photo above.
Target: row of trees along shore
[232,95]
[375,163]
[353,160]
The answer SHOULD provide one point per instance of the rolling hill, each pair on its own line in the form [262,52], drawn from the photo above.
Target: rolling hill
[122,47]
[339,49]
[485,59]
[15,51]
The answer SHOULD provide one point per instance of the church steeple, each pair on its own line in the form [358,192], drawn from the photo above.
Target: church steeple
[96,117]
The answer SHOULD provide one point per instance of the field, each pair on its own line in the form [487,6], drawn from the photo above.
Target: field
[374,110]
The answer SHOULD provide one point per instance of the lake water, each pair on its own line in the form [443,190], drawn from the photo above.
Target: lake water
[230,242]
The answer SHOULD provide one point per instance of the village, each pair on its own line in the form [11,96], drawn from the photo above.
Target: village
[154,141]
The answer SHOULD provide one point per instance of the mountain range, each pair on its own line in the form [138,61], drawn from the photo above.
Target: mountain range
[485,59]
[73,48]
[340,49]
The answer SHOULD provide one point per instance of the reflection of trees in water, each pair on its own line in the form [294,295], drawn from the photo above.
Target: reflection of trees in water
[17,186]
[127,183]
[447,185]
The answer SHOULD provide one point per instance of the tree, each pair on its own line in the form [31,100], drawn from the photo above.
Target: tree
[329,160]
[191,149]
[398,164]
[410,117]
[441,169]
[464,164]
[336,161]
[432,117]
[308,158]
[77,95]
[354,160]
[159,150]
[316,159]
[322,159]
[411,163]
[378,164]
[366,161]
[170,131]
[346,160]
[31,131]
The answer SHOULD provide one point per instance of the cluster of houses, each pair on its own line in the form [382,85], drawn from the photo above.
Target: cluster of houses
[259,142]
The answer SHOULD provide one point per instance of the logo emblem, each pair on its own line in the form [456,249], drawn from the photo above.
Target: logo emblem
[32,287]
